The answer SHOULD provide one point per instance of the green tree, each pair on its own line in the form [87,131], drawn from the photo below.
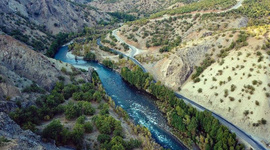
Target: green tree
[53,131]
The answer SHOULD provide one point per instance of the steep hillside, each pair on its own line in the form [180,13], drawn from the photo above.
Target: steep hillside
[218,58]
[57,105]
[55,16]
[237,86]
[139,7]
[24,76]
[35,22]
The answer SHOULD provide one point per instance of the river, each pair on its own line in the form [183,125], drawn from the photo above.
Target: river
[139,105]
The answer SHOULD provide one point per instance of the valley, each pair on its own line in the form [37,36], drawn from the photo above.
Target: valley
[152,74]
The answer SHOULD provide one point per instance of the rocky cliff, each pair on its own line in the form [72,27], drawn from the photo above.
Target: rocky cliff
[18,139]
[20,67]
[35,22]
[54,15]
[27,63]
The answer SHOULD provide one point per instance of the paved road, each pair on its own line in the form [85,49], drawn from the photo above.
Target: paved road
[240,133]
[120,53]
[134,50]
[236,6]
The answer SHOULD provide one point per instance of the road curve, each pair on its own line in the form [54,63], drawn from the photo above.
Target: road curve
[240,133]
[134,50]
[120,53]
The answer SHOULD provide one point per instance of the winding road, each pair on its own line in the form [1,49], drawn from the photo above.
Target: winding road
[239,132]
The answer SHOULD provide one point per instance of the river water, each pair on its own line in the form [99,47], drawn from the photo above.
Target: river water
[139,105]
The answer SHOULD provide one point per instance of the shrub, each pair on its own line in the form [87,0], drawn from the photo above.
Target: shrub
[86,108]
[88,127]
[33,88]
[197,80]
[263,121]
[80,120]
[200,90]
[254,82]
[72,110]
[78,135]
[246,112]
[233,87]
[257,103]
[108,63]
[53,131]
[231,98]
[77,96]
[89,56]
[102,138]
[226,92]
[206,63]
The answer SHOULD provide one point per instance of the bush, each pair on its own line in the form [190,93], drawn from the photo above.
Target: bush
[226,92]
[233,87]
[72,111]
[78,135]
[263,121]
[77,96]
[89,57]
[200,90]
[88,127]
[33,88]
[53,131]
[197,80]
[206,63]
[102,138]
[257,103]
[108,63]
[69,90]
[61,38]
[86,108]
[246,112]
[81,120]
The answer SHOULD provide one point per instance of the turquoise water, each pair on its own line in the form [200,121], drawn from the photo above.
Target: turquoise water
[139,105]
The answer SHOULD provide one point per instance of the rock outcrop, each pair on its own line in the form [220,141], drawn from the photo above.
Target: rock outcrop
[177,68]
[27,63]
[20,139]
[35,21]
[89,74]
[54,15]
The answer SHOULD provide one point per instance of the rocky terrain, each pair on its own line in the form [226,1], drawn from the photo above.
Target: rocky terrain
[16,138]
[20,67]
[26,77]
[35,22]
[138,7]
[55,16]
[221,62]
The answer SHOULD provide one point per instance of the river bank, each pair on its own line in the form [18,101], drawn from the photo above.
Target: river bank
[139,105]
[172,130]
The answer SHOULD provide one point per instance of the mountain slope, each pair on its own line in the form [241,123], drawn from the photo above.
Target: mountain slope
[35,22]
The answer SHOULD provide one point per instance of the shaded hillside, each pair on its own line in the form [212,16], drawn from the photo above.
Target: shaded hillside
[140,7]
[34,22]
